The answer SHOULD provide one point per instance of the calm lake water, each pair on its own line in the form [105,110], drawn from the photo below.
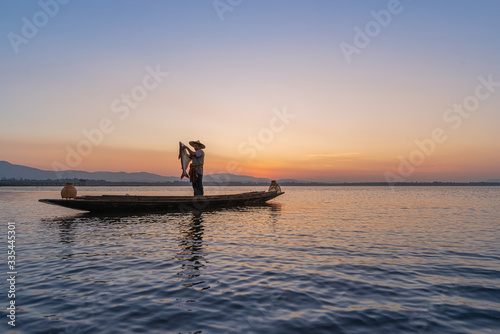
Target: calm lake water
[317,260]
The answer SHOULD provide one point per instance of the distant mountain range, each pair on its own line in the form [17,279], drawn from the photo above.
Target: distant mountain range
[21,174]
[12,171]
[8,171]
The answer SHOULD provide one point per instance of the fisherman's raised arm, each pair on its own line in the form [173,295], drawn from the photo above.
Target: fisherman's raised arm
[191,152]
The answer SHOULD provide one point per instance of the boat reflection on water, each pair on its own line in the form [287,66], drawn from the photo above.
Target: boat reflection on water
[100,231]
[121,217]
[275,210]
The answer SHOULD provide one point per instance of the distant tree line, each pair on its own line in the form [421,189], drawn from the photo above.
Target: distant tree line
[85,182]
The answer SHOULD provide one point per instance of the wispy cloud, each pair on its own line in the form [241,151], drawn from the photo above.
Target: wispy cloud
[337,155]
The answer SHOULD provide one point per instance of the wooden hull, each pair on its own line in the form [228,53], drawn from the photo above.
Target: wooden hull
[124,203]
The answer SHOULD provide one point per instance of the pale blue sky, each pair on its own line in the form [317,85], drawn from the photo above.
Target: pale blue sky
[226,77]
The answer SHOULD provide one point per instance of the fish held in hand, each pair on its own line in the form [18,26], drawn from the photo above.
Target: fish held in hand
[183,156]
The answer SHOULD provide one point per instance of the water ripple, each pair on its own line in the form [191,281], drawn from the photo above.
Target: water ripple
[326,260]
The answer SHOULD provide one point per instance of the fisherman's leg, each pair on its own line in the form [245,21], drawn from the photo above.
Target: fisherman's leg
[198,189]
[194,187]
[200,184]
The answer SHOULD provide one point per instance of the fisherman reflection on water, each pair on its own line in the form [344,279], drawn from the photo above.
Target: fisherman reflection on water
[196,168]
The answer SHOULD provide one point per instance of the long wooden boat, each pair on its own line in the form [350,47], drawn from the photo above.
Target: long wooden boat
[126,203]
